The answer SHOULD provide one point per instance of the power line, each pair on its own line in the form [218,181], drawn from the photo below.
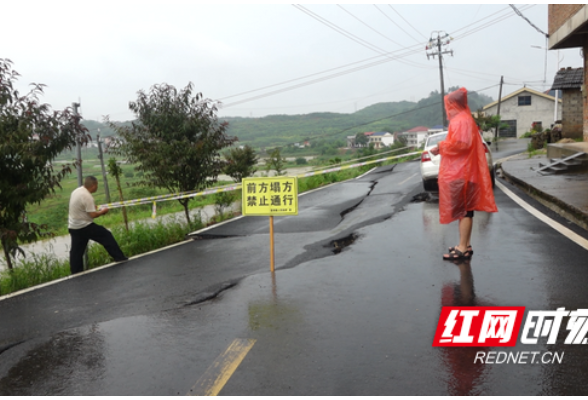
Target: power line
[340,30]
[393,9]
[359,65]
[388,90]
[481,19]
[375,63]
[394,22]
[300,78]
[364,23]
[384,118]
[486,24]
[356,38]
[520,14]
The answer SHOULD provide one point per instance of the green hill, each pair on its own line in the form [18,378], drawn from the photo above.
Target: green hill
[281,130]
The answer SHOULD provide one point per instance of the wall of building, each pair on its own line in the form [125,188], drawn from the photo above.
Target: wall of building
[416,138]
[541,109]
[572,114]
[560,13]
[584,98]
[387,140]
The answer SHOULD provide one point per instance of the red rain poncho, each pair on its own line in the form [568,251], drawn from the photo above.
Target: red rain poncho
[464,179]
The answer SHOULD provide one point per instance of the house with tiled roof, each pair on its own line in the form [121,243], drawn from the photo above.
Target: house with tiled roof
[521,108]
[416,136]
[569,81]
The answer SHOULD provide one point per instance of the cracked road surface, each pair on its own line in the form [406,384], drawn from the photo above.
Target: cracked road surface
[180,275]
[351,309]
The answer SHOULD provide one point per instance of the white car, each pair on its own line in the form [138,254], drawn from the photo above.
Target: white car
[430,163]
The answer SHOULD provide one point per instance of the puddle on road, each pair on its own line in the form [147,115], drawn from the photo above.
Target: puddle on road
[426,197]
[339,244]
[75,356]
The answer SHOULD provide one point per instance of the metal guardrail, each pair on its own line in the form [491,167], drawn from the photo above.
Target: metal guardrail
[186,195]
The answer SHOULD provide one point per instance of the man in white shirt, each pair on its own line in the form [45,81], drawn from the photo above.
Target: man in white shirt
[82,228]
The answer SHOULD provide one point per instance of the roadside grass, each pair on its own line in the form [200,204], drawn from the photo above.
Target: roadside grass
[31,272]
[54,209]
[143,237]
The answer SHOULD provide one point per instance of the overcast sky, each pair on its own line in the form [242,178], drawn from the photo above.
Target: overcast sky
[104,52]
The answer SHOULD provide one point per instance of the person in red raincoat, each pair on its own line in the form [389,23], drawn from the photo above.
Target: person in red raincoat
[464,179]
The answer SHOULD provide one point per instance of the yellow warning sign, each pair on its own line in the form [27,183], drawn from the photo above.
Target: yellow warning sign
[270,196]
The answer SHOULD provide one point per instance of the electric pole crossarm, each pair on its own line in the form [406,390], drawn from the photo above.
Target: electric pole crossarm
[435,48]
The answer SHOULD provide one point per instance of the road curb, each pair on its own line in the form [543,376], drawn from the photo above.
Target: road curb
[567,211]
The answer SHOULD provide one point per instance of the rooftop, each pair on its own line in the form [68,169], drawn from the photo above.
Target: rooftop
[523,90]
[419,129]
[568,78]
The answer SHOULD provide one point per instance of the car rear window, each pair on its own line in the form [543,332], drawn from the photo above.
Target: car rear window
[433,140]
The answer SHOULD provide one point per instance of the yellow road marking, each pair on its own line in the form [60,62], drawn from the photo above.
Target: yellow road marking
[221,370]
[407,179]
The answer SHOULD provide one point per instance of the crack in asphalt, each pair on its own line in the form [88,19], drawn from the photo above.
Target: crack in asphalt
[11,345]
[324,248]
[212,292]
[352,208]
[209,236]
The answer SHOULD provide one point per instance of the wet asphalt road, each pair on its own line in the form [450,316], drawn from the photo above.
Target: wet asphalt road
[358,322]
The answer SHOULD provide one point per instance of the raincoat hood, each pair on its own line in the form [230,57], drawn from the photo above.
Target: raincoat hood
[456,102]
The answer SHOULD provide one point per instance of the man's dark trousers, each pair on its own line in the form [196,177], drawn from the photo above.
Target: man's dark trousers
[79,242]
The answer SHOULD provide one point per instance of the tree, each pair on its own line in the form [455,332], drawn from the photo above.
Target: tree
[276,162]
[240,163]
[489,123]
[115,171]
[361,139]
[176,140]
[31,136]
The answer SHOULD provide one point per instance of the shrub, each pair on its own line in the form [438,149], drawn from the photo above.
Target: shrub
[141,238]
[222,201]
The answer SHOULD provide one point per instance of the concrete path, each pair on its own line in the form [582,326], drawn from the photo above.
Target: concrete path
[59,245]
[564,193]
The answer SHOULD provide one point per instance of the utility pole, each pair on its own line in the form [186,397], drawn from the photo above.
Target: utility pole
[434,48]
[498,108]
[101,156]
[555,114]
[78,148]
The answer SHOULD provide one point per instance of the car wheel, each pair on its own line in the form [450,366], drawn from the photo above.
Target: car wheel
[428,186]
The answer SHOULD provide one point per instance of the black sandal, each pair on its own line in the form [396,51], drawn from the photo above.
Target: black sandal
[468,250]
[458,255]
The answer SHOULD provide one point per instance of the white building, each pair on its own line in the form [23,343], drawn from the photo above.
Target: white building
[437,129]
[381,139]
[521,109]
[416,136]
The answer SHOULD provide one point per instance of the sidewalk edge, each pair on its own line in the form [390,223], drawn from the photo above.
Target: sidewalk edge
[566,210]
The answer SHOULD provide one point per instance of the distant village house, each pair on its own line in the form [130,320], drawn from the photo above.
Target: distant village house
[523,108]
[378,139]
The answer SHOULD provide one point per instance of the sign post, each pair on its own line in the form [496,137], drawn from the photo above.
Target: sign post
[272,247]
[276,196]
